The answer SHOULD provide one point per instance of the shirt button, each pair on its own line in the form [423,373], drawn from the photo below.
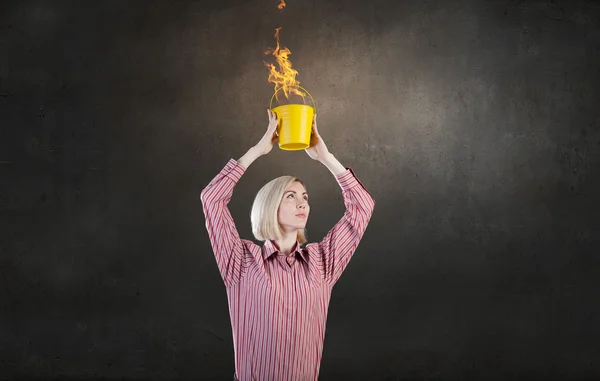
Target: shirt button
[290,259]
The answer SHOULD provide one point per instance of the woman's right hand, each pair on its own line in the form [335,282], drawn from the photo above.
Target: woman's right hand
[265,145]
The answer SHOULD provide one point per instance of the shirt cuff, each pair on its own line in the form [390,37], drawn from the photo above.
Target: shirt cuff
[234,170]
[347,179]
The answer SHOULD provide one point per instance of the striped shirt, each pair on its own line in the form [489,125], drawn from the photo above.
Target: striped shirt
[277,304]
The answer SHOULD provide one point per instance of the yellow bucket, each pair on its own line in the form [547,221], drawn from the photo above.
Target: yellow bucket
[295,124]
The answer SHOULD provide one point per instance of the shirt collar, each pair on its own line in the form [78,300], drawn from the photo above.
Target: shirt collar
[269,248]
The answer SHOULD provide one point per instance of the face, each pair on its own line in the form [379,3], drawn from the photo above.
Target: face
[294,202]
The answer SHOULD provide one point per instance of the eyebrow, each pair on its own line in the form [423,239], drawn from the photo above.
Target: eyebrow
[295,192]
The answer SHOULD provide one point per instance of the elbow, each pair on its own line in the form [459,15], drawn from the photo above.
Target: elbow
[204,195]
[368,210]
[369,205]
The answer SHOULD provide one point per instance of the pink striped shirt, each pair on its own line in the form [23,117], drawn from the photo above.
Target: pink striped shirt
[278,311]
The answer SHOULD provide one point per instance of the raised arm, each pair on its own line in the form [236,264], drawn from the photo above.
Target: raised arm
[222,232]
[340,243]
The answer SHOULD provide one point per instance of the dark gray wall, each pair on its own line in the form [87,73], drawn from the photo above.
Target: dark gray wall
[475,126]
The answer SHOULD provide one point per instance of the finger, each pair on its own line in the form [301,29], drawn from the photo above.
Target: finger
[271,118]
[274,121]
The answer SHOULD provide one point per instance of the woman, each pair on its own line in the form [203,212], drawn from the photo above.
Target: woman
[279,293]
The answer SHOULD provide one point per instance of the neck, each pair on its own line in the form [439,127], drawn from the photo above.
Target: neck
[287,242]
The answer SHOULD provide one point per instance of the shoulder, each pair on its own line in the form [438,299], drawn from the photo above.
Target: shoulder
[250,245]
[311,247]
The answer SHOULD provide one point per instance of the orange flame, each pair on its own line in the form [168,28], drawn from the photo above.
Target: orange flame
[281,5]
[285,77]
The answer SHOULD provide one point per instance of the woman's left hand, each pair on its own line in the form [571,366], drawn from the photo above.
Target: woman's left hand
[317,150]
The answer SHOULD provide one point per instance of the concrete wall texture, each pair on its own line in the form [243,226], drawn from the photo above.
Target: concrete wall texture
[474,124]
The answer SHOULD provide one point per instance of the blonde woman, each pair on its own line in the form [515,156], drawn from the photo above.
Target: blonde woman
[279,293]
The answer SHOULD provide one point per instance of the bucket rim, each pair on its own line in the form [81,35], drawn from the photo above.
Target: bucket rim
[293,104]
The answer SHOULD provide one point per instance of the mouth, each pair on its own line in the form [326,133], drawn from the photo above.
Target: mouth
[301,215]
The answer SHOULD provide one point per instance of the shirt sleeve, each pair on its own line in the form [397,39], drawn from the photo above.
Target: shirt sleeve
[224,238]
[340,243]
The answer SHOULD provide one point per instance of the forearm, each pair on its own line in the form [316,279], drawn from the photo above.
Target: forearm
[249,157]
[333,164]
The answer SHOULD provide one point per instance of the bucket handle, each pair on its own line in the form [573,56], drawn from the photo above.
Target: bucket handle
[306,91]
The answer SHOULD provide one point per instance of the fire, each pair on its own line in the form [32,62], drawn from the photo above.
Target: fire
[281,5]
[285,77]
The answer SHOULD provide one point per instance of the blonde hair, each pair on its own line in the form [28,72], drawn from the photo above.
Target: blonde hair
[264,214]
